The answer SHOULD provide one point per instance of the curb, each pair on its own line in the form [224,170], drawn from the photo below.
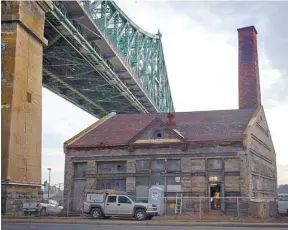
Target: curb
[145,223]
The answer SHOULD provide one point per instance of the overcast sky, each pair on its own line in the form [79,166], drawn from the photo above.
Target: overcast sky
[200,47]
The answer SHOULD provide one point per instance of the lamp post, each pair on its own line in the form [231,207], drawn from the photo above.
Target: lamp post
[49,169]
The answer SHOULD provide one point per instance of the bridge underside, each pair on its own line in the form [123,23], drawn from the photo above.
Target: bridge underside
[69,74]
[81,65]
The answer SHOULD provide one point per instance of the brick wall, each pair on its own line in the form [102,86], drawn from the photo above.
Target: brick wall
[249,84]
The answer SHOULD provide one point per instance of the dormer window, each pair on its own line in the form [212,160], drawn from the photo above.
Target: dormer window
[157,134]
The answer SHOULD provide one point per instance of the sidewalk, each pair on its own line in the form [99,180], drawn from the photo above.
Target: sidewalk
[155,222]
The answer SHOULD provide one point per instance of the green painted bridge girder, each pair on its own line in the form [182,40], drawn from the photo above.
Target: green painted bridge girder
[141,51]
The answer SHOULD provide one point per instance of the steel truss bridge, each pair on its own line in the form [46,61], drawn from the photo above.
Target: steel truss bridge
[101,61]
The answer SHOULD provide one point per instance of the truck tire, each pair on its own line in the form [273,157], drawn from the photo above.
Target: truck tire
[140,214]
[96,213]
[43,212]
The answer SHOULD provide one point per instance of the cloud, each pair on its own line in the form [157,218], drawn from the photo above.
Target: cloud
[269,19]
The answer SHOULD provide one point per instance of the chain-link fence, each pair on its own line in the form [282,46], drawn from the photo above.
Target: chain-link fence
[71,207]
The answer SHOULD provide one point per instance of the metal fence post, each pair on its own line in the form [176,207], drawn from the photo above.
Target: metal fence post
[200,209]
[6,205]
[67,214]
[238,214]
[29,208]
[165,206]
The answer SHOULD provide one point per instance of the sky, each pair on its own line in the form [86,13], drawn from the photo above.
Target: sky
[200,48]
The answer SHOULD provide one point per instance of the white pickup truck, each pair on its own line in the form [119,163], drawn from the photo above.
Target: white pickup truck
[42,208]
[106,205]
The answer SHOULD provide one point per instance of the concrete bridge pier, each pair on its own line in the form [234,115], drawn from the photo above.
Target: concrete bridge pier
[22,44]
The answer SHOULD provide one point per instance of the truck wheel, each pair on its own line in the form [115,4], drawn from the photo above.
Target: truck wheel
[96,213]
[43,212]
[140,214]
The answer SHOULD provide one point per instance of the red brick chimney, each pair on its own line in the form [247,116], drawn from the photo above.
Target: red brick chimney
[248,70]
[171,119]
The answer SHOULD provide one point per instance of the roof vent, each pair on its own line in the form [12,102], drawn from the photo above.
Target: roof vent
[171,119]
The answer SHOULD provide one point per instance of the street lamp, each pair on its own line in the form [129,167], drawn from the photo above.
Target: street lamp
[49,169]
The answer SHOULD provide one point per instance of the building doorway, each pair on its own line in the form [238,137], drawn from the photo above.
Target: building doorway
[215,194]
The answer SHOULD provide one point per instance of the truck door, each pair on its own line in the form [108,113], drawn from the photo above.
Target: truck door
[125,206]
[111,205]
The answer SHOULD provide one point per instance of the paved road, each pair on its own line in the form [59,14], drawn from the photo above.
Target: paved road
[28,226]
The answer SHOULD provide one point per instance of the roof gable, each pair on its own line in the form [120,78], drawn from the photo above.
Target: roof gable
[87,131]
[202,126]
[157,132]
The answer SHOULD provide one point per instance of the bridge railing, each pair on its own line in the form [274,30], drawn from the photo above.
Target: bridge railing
[125,59]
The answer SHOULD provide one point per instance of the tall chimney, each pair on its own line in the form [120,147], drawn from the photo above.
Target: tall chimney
[248,70]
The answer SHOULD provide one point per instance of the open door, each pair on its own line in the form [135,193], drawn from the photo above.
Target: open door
[215,194]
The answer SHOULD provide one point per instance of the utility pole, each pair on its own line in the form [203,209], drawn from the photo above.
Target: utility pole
[49,169]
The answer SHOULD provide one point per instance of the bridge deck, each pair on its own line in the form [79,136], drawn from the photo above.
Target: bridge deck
[83,65]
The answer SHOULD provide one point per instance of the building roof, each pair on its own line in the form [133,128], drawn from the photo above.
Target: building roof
[201,126]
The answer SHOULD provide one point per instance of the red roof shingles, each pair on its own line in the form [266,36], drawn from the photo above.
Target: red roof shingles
[194,126]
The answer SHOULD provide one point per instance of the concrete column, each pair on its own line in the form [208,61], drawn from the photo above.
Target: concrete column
[22,49]
[21,77]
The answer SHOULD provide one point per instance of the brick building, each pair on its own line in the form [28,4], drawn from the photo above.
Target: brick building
[195,153]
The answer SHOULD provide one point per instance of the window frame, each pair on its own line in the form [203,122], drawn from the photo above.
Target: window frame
[127,199]
[75,164]
[215,169]
[110,201]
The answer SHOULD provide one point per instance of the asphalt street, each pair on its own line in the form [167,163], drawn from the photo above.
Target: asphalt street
[22,226]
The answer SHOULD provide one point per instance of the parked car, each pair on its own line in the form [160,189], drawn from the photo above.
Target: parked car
[283,204]
[105,205]
[43,207]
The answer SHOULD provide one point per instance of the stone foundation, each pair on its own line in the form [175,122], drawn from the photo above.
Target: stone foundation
[12,198]
[263,209]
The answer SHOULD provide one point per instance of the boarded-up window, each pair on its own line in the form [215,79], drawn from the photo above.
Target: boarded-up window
[80,170]
[157,179]
[214,164]
[158,166]
[174,165]
[142,188]
[111,167]
[143,181]
[172,180]
[142,165]
[118,185]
